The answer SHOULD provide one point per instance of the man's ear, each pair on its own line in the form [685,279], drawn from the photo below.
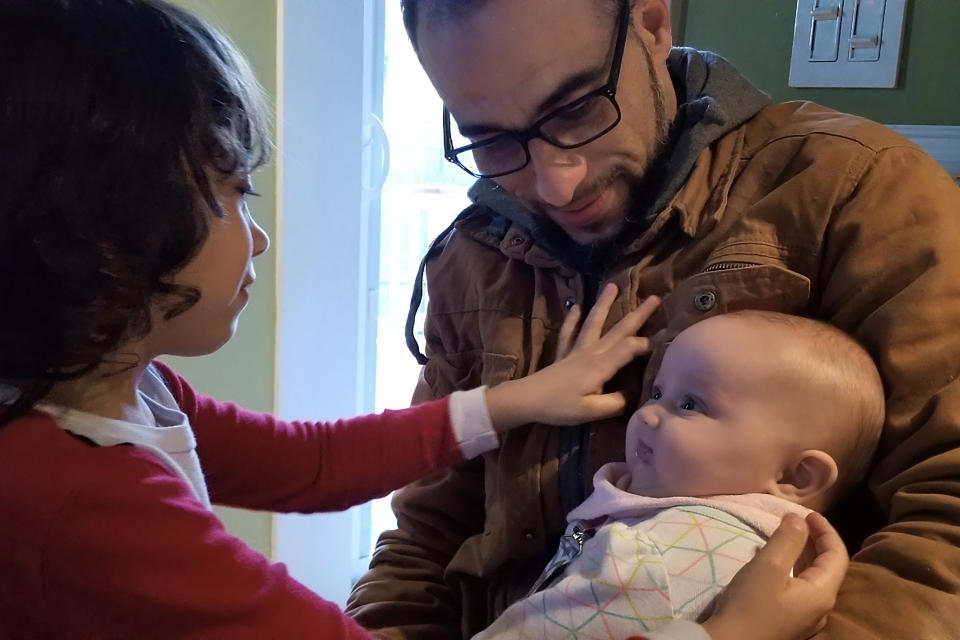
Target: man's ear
[653,17]
[807,478]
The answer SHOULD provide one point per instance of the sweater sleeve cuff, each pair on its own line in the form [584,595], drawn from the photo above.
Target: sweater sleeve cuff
[676,630]
[471,422]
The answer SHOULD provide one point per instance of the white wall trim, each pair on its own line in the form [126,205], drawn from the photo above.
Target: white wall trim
[940,141]
[322,279]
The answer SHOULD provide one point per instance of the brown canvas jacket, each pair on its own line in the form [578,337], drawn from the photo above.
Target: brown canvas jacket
[801,210]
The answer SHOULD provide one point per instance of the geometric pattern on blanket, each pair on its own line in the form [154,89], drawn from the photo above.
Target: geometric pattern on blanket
[635,575]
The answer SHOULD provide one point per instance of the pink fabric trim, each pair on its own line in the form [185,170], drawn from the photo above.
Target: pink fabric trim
[761,511]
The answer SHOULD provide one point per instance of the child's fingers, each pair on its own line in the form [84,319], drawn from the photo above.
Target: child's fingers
[606,405]
[637,346]
[630,324]
[567,332]
[783,549]
[620,354]
[593,325]
[830,565]
[824,536]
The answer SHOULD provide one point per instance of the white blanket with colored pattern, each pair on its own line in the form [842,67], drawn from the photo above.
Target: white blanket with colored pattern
[650,561]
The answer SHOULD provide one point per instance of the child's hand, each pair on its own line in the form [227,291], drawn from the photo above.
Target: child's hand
[764,603]
[570,391]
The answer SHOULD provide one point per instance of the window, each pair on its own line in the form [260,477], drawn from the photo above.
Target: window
[421,195]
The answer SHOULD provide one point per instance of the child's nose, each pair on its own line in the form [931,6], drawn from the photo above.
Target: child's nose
[261,241]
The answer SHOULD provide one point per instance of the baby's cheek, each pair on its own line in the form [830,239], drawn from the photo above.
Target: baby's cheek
[693,468]
[632,425]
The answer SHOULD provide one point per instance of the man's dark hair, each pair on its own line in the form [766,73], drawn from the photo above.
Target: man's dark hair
[435,11]
[113,113]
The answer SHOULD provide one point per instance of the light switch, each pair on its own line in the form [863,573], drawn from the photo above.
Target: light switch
[825,30]
[864,42]
[847,43]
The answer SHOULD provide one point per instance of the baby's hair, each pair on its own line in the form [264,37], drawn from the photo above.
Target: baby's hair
[852,380]
[113,113]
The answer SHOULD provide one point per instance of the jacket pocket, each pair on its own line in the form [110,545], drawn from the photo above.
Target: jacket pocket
[467,370]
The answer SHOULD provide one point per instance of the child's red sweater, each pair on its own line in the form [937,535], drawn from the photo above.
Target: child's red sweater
[105,542]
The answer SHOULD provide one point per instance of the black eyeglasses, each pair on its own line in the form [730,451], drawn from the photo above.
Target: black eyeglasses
[568,127]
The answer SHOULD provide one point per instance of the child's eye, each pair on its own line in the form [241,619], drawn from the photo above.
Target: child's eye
[691,404]
[244,185]
[657,394]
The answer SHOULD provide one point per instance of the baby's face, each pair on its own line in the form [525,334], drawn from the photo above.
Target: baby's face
[717,422]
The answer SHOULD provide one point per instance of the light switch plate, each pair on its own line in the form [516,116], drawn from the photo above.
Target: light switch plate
[847,43]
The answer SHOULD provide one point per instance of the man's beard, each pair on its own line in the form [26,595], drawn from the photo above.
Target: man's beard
[643,187]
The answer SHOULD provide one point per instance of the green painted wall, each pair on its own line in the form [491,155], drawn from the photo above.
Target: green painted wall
[243,371]
[756,35]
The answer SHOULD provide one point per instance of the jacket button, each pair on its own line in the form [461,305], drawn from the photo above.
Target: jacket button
[705,300]
[568,303]
[529,534]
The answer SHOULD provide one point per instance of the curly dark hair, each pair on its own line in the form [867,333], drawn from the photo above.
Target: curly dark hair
[112,113]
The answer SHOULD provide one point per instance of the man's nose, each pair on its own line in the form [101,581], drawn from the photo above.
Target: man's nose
[558,172]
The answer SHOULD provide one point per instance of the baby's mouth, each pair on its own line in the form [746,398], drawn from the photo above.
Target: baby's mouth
[643,453]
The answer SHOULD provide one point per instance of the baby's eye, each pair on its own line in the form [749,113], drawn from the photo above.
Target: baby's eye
[657,394]
[690,404]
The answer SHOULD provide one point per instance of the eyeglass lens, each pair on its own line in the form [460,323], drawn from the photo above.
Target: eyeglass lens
[568,127]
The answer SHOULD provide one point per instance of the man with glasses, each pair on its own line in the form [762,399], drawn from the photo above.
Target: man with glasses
[605,155]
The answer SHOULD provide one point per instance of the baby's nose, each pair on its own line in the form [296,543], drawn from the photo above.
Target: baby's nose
[649,415]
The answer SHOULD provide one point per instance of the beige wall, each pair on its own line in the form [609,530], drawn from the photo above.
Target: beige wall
[244,370]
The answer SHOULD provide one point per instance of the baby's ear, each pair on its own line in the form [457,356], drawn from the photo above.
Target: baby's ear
[807,478]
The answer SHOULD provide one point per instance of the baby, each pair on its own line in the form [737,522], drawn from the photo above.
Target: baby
[752,415]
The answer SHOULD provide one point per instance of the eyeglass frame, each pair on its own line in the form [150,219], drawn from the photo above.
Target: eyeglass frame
[523,137]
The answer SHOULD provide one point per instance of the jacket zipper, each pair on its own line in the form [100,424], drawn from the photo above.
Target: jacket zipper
[727,266]
[574,442]
[570,548]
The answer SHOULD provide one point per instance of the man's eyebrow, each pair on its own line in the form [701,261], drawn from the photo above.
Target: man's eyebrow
[563,90]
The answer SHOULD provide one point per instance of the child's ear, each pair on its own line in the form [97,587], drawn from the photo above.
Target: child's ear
[807,477]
